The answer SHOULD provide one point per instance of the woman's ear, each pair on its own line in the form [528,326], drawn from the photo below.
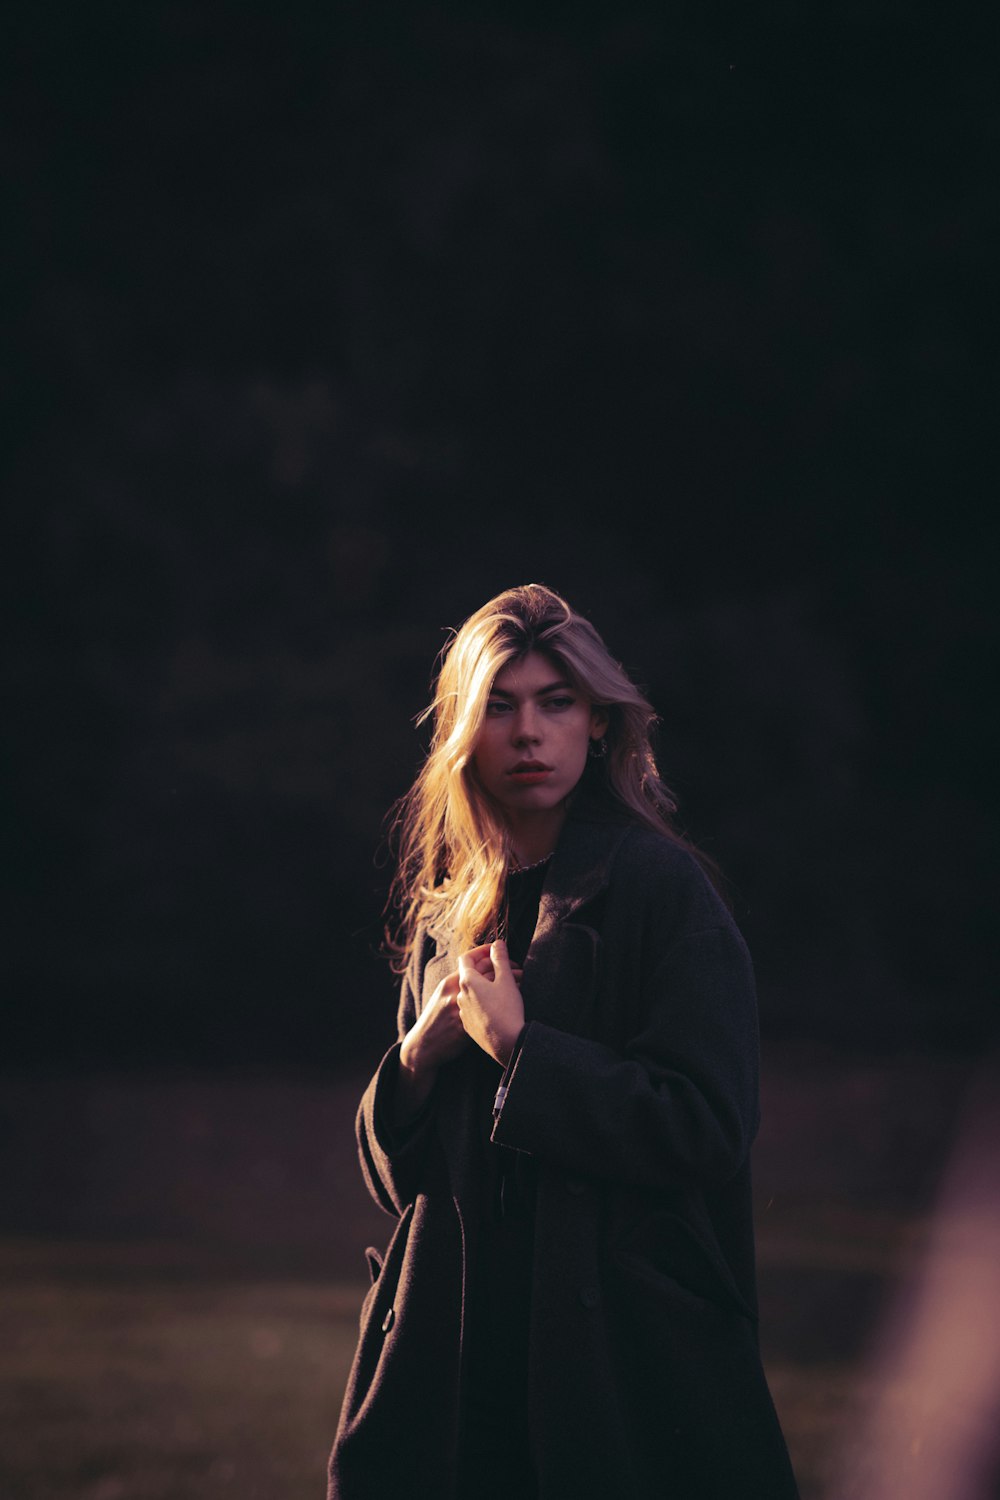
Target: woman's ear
[598,723]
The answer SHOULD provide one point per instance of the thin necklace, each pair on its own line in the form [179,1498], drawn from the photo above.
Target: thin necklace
[518,869]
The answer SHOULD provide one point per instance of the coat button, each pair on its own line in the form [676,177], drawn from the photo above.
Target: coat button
[388,1320]
[589,1296]
[574,1185]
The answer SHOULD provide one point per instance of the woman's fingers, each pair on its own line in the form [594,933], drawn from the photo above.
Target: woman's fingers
[481,959]
[515,969]
[468,964]
[491,1007]
[500,958]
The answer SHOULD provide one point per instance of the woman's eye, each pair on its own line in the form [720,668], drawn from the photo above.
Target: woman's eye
[560,702]
[497,706]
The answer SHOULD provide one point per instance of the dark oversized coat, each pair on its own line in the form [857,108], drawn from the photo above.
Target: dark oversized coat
[635,1090]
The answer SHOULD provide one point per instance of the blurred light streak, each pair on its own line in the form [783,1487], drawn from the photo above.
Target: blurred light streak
[930,1427]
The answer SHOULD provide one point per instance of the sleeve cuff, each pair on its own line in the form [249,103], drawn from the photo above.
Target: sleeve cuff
[394,1138]
[508,1072]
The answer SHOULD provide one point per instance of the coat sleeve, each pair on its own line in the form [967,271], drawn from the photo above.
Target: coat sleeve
[391,1156]
[679,1105]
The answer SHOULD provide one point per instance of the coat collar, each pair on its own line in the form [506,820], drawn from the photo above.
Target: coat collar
[581,863]
[579,871]
[560,971]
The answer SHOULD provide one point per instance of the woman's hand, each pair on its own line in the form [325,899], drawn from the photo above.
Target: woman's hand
[489,1000]
[437,1035]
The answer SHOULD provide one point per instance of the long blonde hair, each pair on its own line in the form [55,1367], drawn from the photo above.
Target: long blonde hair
[454,842]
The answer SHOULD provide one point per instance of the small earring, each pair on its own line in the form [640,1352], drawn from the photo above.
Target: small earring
[597,749]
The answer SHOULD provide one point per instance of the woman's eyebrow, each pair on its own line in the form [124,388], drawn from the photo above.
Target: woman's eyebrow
[550,687]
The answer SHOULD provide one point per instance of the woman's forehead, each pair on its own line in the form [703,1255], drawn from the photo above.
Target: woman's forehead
[528,674]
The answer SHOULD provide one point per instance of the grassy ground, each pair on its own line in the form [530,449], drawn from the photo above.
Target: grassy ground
[138,1364]
[151,1372]
[157,1381]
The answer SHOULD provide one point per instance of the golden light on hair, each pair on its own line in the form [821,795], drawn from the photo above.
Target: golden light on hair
[454,842]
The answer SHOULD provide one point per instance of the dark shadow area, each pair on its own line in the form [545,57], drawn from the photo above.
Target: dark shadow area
[327,323]
[328,326]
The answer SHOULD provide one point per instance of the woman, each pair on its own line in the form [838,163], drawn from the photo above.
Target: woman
[567,1304]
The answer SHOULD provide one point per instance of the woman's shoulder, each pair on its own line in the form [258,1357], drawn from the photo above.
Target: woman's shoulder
[645,842]
[647,851]
[662,872]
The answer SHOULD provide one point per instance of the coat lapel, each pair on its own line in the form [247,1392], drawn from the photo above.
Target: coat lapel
[560,971]
[559,983]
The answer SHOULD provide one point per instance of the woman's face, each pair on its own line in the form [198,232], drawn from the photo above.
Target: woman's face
[532,748]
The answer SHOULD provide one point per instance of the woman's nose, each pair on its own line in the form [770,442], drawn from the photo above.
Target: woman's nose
[525,729]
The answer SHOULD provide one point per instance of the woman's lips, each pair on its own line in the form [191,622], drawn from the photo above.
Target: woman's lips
[530,776]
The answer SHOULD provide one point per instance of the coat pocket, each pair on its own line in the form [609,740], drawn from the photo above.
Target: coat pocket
[667,1254]
[691,1379]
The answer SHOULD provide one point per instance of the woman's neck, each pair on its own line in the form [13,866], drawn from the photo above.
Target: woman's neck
[534,839]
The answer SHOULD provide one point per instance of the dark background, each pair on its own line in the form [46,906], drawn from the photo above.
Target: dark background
[331,321]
